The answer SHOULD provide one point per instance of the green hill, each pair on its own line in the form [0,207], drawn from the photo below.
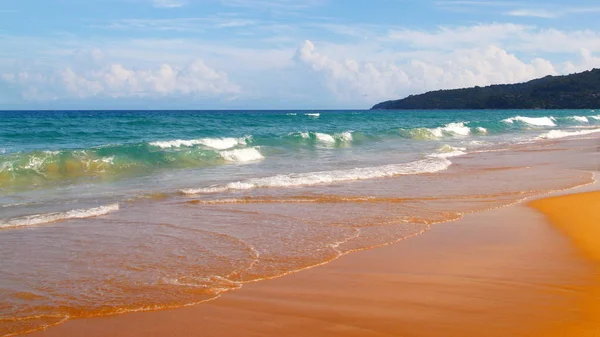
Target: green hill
[575,91]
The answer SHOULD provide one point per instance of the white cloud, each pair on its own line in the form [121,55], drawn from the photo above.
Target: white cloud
[587,62]
[352,80]
[517,38]
[181,24]
[169,3]
[273,4]
[373,63]
[536,13]
[476,3]
[118,81]
[455,37]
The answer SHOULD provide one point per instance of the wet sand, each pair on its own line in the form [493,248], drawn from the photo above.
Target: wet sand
[504,272]
[577,216]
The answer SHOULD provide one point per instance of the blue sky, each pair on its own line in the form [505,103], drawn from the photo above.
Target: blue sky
[279,54]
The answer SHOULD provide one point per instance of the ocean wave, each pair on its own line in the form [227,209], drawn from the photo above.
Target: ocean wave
[312,114]
[447,151]
[45,163]
[481,130]
[42,167]
[342,137]
[556,134]
[242,155]
[40,219]
[214,143]
[328,177]
[534,121]
[449,130]
[580,119]
[324,138]
[595,117]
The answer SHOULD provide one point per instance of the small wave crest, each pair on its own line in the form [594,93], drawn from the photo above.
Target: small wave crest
[325,138]
[481,130]
[556,134]
[580,119]
[242,155]
[328,177]
[40,219]
[534,121]
[449,130]
[447,151]
[313,114]
[214,143]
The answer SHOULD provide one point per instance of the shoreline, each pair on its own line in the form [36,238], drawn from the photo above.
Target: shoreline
[291,293]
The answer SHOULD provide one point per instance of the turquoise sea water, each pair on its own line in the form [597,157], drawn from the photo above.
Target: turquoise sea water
[63,160]
[115,211]
[41,149]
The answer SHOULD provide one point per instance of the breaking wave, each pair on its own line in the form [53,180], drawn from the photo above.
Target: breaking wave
[329,177]
[214,143]
[581,119]
[556,134]
[448,151]
[325,138]
[40,219]
[459,129]
[242,155]
[534,121]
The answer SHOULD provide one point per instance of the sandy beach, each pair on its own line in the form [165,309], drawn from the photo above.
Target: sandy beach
[504,272]
[299,168]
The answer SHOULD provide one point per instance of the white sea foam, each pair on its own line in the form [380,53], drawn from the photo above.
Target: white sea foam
[555,134]
[429,165]
[595,117]
[40,219]
[35,163]
[581,119]
[291,114]
[448,151]
[100,163]
[242,155]
[344,136]
[481,130]
[448,130]
[456,129]
[536,121]
[452,129]
[314,114]
[215,143]
[324,138]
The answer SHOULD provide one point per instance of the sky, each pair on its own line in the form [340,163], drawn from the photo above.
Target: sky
[280,54]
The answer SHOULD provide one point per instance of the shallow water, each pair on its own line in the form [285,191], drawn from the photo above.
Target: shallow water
[167,229]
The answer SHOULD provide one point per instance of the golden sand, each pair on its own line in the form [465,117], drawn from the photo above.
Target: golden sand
[578,216]
[494,274]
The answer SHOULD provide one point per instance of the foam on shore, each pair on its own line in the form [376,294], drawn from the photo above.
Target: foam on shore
[40,219]
[329,177]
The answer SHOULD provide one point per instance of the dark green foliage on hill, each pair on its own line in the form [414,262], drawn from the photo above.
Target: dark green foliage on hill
[576,91]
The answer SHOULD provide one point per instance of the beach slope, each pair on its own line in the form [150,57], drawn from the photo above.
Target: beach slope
[504,272]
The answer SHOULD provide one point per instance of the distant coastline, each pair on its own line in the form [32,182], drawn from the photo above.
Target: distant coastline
[575,91]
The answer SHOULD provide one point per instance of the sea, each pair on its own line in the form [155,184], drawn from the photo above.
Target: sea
[108,212]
